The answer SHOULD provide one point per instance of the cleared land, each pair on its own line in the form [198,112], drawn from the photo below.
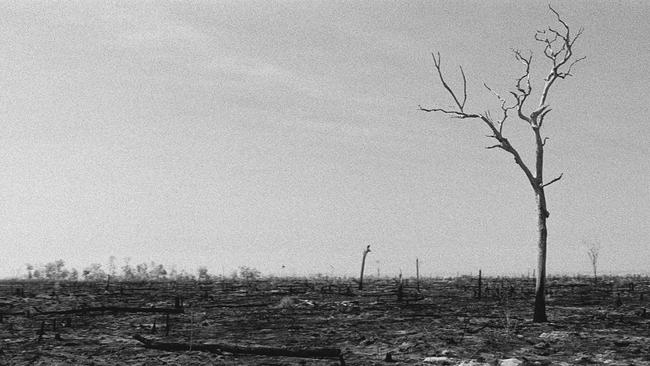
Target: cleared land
[85,323]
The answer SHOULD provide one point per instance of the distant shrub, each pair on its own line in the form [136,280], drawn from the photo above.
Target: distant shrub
[50,271]
[94,272]
[249,273]
[203,273]
[56,270]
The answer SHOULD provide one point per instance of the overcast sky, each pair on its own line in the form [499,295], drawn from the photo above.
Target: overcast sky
[265,134]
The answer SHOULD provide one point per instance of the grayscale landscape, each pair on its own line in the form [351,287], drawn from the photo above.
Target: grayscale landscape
[324,183]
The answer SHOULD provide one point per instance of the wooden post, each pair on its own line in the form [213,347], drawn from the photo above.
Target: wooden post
[480,284]
[389,357]
[363,264]
[41,331]
[400,287]
[417,273]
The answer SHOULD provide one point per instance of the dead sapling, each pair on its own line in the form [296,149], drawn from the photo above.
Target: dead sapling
[363,265]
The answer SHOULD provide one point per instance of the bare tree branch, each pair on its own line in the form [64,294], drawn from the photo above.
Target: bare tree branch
[557,15]
[553,181]
[561,56]
[523,85]
[558,48]
[524,90]
[540,120]
[444,83]
[494,146]
[465,86]
[504,109]
[568,71]
[453,114]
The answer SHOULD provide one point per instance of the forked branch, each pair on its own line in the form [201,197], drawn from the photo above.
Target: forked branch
[461,105]
[496,127]
[558,47]
[504,109]
[523,84]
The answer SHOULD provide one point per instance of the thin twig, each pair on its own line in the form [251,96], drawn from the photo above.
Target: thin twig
[553,181]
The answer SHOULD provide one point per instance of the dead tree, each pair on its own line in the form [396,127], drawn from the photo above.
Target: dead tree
[558,49]
[593,251]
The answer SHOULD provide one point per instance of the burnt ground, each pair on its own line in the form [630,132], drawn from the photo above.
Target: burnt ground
[444,323]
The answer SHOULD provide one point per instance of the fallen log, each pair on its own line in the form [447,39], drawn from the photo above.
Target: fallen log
[113,309]
[219,348]
[236,305]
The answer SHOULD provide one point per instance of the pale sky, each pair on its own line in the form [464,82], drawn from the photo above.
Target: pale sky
[264,134]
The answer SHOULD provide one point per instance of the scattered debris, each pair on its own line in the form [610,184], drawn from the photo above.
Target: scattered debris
[438,360]
[220,348]
[510,362]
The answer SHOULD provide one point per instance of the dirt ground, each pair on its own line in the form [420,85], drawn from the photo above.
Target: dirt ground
[444,322]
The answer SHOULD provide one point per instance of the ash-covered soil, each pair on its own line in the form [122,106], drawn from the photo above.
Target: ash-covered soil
[444,322]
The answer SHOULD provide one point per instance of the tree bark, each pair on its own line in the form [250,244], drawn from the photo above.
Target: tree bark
[539,313]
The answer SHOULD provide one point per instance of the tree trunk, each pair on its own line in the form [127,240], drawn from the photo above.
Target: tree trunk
[539,315]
